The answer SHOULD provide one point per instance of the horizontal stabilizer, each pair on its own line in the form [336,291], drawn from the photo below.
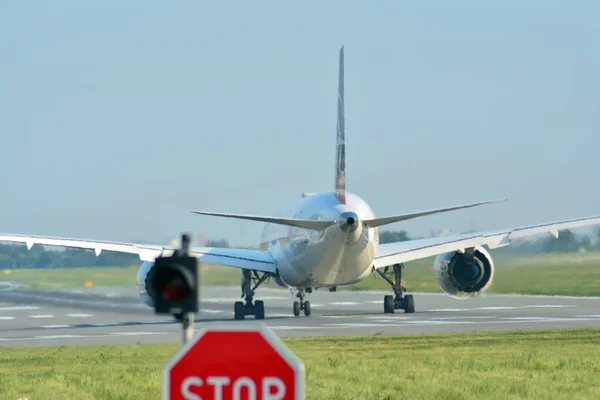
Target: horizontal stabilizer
[397,218]
[298,223]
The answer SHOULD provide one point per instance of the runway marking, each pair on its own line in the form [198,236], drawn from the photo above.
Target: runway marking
[80,315]
[465,317]
[7,318]
[435,322]
[291,327]
[550,306]
[59,336]
[358,325]
[42,316]
[211,311]
[588,316]
[234,299]
[55,326]
[488,308]
[137,333]
[18,308]
[344,303]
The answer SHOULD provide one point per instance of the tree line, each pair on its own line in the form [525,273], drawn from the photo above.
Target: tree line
[14,256]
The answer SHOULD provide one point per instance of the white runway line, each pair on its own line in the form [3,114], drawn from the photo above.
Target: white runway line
[80,315]
[59,336]
[358,325]
[42,316]
[55,326]
[501,308]
[344,303]
[234,299]
[136,333]
[290,327]
[465,317]
[4,318]
[204,310]
[18,308]
[549,306]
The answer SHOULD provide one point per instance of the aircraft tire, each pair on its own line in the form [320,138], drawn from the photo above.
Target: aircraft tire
[259,309]
[388,304]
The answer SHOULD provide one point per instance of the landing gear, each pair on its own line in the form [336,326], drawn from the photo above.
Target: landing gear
[399,301]
[250,307]
[302,304]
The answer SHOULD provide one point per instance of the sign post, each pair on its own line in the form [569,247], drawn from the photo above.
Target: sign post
[234,363]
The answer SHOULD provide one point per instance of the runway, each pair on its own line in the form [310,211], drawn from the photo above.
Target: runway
[31,317]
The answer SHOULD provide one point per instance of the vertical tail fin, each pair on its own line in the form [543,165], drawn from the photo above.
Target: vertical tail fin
[340,178]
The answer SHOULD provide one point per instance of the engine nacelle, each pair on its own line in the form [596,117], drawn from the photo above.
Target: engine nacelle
[144,284]
[463,279]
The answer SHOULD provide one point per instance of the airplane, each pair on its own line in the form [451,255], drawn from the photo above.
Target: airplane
[332,240]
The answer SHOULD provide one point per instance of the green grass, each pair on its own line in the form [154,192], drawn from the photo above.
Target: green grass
[550,274]
[559,364]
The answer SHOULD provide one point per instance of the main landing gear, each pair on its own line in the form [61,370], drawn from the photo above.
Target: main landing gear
[302,304]
[256,308]
[399,301]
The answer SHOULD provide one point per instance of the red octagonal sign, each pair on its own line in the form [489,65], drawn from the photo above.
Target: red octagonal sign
[233,363]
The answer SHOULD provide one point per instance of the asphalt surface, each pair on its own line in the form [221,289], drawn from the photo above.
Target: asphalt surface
[117,315]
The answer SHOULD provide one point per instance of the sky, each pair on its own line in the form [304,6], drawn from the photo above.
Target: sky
[119,118]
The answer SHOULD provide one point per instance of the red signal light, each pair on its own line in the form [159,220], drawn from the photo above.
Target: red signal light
[175,290]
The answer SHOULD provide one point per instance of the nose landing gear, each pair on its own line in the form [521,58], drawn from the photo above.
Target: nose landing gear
[302,304]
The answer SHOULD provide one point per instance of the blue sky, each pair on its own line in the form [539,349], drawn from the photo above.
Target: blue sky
[118,118]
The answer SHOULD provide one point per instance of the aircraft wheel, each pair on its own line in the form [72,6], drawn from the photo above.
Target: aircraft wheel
[259,309]
[307,308]
[296,308]
[388,304]
[409,304]
[238,310]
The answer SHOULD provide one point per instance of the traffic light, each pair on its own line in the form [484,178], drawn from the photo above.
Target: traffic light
[175,284]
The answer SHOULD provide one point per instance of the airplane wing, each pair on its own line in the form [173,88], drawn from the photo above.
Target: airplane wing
[257,260]
[399,252]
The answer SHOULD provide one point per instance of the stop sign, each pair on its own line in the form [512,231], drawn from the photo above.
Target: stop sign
[234,363]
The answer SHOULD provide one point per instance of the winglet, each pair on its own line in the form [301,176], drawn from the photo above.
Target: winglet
[340,162]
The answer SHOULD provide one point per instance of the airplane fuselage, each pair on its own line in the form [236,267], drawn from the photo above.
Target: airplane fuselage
[342,254]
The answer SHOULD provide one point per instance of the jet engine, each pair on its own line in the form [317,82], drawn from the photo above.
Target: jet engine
[464,275]
[144,284]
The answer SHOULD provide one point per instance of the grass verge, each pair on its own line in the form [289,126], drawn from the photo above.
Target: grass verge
[549,274]
[558,364]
